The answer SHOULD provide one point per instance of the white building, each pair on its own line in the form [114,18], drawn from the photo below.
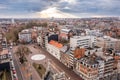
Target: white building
[107,65]
[25,36]
[65,33]
[53,47]
[82,41]
[39,40]
[93,32]
[108,42]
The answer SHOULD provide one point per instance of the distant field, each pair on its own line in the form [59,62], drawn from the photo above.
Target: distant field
[40,69]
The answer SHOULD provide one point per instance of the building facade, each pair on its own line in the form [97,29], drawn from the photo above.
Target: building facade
[53,47]
[25,36]
[82,41]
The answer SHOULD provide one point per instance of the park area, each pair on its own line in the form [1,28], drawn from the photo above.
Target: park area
[40,69]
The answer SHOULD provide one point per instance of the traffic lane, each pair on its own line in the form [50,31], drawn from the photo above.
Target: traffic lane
[19,74]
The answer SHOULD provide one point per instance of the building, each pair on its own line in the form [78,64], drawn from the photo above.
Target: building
[7,66]
[87,68]
[91,50]
[77,47]
[3,43]
[42,38]
[96,66]
[34,35]
[117,61]
[82,41]
[53,47]
[4,56]
[1,36]
[25,36]
[66,58]
[79,52]
[65,34]
[93,32]
[108,42]
[108,63]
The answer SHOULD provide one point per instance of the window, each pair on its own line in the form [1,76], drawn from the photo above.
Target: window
[87,65]
[81,62]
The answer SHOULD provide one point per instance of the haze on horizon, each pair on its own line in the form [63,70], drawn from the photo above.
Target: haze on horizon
[59,8]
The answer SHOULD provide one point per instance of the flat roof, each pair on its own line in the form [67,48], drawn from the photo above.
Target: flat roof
[5,51]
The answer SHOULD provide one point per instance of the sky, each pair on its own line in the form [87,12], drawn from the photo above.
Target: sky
[59,8]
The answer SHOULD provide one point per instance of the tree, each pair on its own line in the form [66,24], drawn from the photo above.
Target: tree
[22,52]
[12,35]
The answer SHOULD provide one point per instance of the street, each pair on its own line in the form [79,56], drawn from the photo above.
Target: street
[19,73]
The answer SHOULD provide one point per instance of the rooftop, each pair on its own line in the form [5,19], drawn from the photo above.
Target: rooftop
[66,30]
[104,56]
[63,35]
[79,37]
[56,44]
[89,60]
[25,31]
[5,51]
[64,48]
[90,48]
[107,38]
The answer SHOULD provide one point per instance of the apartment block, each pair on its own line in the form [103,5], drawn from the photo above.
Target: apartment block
[25,36]
[108,42]
[53,47]
[82,41]
[96,66]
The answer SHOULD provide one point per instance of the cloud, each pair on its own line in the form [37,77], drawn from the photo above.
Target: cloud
[81,8]
[106,7]
[54,12]
[69,1]
[2,6]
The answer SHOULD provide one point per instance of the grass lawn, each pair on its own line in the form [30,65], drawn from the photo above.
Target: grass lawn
[40,69]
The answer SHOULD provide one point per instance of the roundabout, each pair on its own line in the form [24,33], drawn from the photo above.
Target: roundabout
[38,57]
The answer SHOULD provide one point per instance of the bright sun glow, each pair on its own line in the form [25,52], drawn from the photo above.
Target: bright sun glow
[53,12]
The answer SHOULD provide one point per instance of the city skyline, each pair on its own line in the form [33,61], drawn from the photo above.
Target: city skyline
[59,8]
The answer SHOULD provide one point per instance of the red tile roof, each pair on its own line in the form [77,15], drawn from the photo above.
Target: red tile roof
[55,43]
